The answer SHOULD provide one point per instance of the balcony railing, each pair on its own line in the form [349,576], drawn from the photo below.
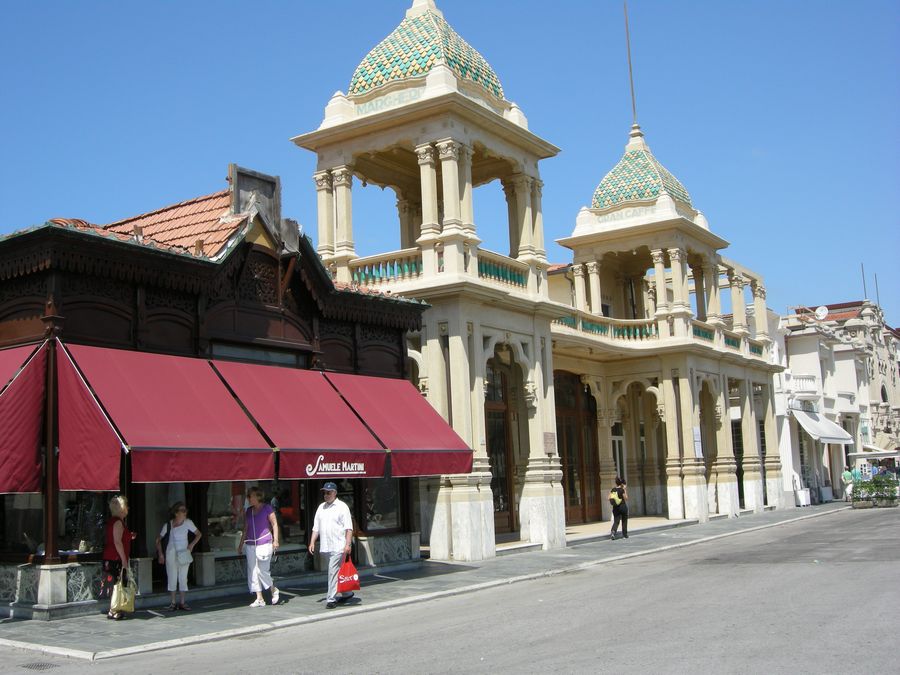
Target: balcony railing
[387,268]
[703,331]
[616,330]
[732,340]
[502,269]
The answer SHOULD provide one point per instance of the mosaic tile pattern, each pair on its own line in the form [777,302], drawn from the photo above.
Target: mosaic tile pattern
[8,574]
[413,49]
[83,582]
[26,585]
[231,570]
[637,177]
[390,548]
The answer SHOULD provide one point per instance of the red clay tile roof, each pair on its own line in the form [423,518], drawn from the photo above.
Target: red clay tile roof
[556,267]
[181,225]
[838,311]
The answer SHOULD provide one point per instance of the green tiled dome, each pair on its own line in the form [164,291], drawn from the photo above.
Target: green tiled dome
[413,49]
[638,177]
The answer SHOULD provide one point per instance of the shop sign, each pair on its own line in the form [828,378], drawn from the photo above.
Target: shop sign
[342,468]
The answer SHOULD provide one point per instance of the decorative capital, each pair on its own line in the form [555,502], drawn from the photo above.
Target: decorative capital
[676,255]
[521,182]
[759,291]
[341,176]
[448,150]
[425,154]
[735,279]
[323,180]
[578,270]
[537,186]
[658,256]
[593,267]
[531,396]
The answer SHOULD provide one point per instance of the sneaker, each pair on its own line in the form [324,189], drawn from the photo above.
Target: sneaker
[276,596]
[345,597]
[258,603]
[612,537]
[331,605]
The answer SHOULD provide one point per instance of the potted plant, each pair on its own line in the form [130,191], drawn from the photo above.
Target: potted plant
[880,491]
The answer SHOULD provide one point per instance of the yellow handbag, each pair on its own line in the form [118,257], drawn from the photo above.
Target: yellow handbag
[123,596]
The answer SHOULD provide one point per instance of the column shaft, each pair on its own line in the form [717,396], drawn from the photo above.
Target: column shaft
[593,269]
[325,212]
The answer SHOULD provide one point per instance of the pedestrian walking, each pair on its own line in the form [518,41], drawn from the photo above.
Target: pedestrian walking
[174,549]
[618,497]
[333,529]
[259,542]
[116,550]
[847,480]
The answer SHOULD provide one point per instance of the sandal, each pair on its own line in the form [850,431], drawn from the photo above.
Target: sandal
[172,607]
[184,607]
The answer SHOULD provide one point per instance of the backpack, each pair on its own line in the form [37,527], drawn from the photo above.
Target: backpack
[614,498]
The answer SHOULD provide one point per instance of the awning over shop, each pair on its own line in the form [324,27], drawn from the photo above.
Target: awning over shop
[874,452]
[176,416]
[420,441]
[316,432]
[821,428]
[23,377]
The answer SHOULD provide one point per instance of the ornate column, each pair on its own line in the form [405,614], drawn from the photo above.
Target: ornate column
[430,228]
[738,308]
[711,277]
[578,272]
[774,478]
[538,215]
[699,294]
[679,283]
[522,186]
[467,212]
[753,491]
[593,269]
[725,466]
[344,250]
[325,210]
[693,466]
[760,320]
[408,235]
[674,487]
[659,283]
[512,209]
[452,234]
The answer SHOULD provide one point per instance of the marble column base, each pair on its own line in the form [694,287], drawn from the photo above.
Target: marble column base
[753,491]
[542,513]
[463,523]
[696,504]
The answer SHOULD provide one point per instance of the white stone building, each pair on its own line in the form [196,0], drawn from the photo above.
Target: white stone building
[637,358]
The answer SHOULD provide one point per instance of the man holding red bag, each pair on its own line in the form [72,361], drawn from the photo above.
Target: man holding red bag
[333,528]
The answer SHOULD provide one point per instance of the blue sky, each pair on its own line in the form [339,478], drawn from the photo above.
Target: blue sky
[780,118]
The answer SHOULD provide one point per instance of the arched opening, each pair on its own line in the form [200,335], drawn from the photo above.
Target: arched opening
[576,435]
[499,438]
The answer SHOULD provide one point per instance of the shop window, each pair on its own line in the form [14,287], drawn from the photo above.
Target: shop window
[83,518]
[21,524]
[226,504]
[381,497]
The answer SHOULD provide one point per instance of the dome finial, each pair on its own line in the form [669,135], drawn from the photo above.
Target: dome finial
[422,6]
[630,72]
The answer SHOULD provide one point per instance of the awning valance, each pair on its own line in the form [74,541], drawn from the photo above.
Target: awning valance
[821,428]
[176,416]
[421,443]
[318,435]
[23,377]
[874,452]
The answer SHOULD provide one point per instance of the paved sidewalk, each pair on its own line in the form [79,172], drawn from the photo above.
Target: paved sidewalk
[93,637]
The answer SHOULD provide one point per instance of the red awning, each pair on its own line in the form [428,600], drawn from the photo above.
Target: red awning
[317,433]
[90,451]
[420,441]
[178,419]
[21,412]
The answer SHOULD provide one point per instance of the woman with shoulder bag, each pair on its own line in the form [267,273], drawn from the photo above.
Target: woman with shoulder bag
[619,498]
[116,550]
[259,542]
[175,551]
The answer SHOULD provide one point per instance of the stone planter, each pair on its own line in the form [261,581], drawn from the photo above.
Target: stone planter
[863,503]
[886,503]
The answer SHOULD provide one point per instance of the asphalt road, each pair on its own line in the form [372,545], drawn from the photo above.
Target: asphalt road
[816,596]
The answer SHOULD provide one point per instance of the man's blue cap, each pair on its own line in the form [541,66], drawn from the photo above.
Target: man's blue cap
[329,486]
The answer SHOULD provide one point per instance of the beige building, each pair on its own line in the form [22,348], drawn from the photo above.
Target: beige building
[642,357]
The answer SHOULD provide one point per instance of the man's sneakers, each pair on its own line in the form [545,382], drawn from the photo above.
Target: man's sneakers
[259,602]
[276,596]
[345,597]
[331,605]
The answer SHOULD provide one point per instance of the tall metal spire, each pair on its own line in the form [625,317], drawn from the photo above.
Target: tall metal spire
[630,73]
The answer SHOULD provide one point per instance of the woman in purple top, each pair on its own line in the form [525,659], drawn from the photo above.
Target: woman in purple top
[259,541]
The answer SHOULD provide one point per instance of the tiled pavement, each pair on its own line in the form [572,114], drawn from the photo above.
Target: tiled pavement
[93,637]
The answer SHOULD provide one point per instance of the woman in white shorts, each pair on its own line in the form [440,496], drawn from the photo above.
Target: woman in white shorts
[176,552]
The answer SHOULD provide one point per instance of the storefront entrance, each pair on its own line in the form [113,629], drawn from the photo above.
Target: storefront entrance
[499,448]
[576,415]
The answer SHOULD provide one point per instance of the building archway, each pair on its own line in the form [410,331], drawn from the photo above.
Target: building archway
[576,435]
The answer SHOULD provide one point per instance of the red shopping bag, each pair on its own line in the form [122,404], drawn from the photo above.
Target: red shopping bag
[348,577]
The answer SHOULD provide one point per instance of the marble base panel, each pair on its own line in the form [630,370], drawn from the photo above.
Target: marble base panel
[542,516]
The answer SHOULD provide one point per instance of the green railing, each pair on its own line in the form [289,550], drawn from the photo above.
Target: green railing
[502,269]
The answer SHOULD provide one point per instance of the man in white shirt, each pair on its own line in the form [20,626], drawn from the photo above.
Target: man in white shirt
[333,528]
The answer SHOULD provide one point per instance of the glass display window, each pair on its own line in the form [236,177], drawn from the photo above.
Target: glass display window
[82,519]
[381,500]
[21,524]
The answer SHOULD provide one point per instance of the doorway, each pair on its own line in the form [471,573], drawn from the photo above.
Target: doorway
[498,423]
[576,415]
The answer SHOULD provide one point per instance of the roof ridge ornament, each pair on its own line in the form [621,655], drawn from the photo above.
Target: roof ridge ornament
[422,6]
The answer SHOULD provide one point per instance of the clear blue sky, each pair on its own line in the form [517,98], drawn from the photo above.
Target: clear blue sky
[782,119]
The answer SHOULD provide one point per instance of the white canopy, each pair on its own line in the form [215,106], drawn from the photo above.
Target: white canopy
[821,428]
[874,452]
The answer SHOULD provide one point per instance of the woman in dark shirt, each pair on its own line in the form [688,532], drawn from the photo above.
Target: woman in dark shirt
[620,509]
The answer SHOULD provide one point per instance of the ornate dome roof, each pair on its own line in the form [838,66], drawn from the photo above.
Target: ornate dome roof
[422,40]
[638,177]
